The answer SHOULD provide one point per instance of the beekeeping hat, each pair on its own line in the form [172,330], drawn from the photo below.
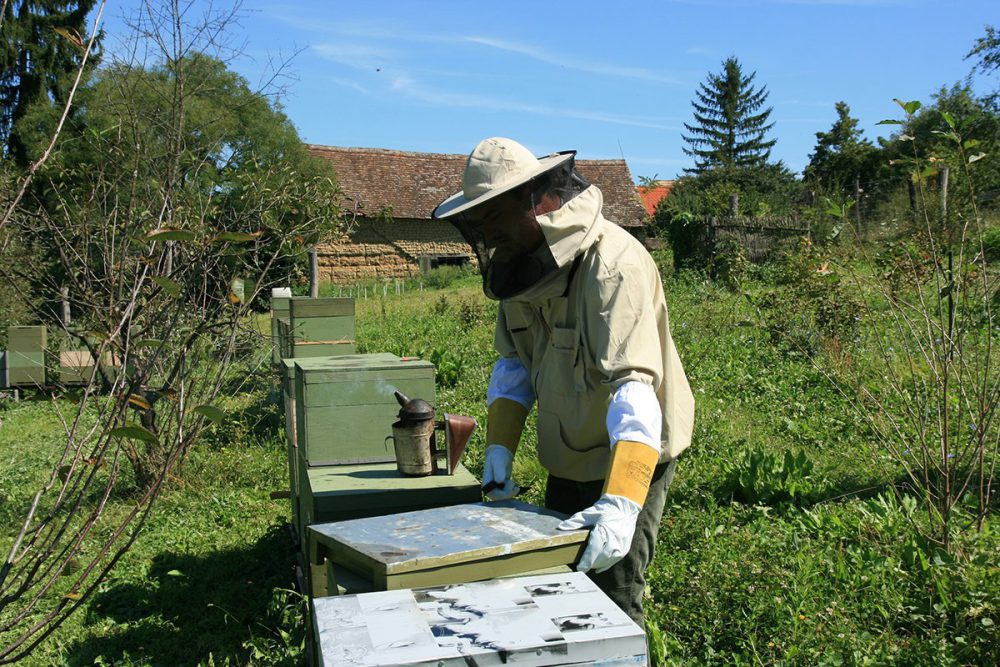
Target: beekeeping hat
[497,165]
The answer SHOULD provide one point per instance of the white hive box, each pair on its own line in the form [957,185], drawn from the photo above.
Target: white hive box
[552,619]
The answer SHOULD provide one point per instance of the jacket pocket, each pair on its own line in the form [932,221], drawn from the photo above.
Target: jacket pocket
[568,354]
[519,319]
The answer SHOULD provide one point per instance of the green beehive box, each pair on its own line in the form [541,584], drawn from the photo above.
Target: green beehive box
[445,545]
[26,338]
[288,394]
[345,406]
[25,369]
[321,327]
[336,493]
[279,311]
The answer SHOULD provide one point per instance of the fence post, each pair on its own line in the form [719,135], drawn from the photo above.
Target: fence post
[64,294]
[313,273]
[734,204]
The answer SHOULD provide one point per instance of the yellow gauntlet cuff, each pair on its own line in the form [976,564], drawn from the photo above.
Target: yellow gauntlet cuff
[505,422]
[631,470]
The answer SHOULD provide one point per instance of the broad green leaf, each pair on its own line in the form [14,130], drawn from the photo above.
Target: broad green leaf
[947,135]
[211,412]
[905,137]
[889,121]
[97,335]
[948,118]
[170,235]
[971,143]
[977,156]
[147,342]
[169,286]
[910,107]
[235,237]
[175,573]
[134,433]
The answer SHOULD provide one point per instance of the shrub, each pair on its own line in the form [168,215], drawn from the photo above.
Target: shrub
[991,244]
[446,276]
[759,477]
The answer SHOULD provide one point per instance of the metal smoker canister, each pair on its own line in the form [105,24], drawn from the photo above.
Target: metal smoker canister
[413,436]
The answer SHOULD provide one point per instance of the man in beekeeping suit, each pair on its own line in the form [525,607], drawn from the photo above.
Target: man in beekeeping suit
[583,330]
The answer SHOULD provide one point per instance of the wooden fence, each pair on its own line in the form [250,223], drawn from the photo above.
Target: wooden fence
[761,239]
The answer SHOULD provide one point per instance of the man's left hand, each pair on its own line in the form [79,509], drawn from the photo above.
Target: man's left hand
[612,519]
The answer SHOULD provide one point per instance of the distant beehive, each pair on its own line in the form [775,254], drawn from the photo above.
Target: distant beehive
[25,357]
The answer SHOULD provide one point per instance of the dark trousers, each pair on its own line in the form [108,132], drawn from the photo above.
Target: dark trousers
[625,581]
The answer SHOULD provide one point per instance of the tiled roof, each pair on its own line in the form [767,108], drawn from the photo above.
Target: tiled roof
[652,194]
[412,184]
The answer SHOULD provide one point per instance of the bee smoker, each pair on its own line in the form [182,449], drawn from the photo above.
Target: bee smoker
[414,440]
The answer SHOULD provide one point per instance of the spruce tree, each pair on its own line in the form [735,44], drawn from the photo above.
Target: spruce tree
[842,154]
[731,124]
[39,55]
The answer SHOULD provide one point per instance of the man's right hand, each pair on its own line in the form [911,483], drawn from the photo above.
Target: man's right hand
[496,473]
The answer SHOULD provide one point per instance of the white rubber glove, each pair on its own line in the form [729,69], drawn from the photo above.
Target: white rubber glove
[613,519]
[497,468]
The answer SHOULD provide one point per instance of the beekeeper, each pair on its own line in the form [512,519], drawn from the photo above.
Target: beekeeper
[583,330]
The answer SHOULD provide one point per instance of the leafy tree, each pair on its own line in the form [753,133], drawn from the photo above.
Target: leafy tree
[227,140]
[40,48]
[731,122]
[926,142]
[841,154]
[987,50]
[173,179]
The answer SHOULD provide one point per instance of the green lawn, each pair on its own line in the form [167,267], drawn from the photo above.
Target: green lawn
[821,567]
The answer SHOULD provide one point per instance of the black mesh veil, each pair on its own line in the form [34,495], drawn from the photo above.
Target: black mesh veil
[504,274]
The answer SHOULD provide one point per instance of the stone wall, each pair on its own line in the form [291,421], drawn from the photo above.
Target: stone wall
[376,249]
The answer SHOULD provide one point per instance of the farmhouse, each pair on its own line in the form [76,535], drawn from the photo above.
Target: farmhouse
[392,194]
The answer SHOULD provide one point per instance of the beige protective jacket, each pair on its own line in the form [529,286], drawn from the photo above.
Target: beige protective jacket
[583,331]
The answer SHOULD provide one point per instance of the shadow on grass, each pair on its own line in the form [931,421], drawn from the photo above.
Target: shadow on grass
[193,607]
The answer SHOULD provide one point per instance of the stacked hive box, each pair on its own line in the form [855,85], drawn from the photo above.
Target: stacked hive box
[25,358]
[555,619]
[76,367]
[344,409]
[279,321]
[339,408]
[320,327]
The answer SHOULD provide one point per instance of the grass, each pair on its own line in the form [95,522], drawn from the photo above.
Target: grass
[832,574]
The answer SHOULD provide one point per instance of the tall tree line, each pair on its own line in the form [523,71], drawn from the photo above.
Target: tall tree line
[40,48]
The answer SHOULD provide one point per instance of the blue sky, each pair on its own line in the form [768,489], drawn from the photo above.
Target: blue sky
[610,79]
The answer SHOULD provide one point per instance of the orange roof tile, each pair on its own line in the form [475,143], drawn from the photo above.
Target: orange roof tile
[651,195]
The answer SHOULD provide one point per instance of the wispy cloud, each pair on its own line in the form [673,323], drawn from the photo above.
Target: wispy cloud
[347,83]
[409,87]
[358,56]
[541,55]
[357,32]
